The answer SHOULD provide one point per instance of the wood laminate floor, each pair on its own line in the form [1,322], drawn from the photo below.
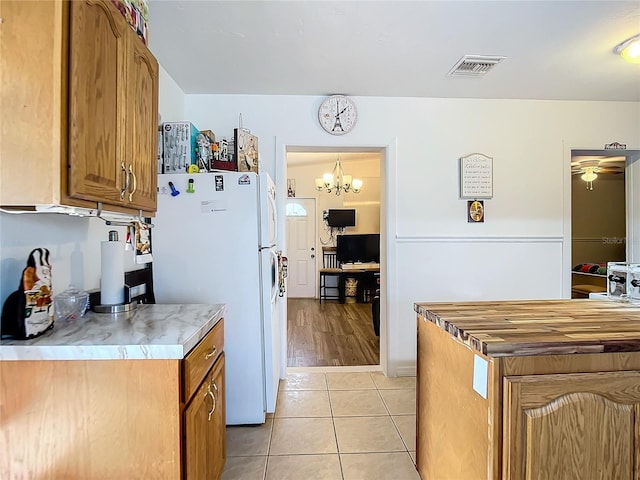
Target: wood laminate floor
[330,334]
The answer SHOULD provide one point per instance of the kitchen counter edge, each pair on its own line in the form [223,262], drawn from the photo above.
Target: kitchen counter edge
[151,332]
[495,333]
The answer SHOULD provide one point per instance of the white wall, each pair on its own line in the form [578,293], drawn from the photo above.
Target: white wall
[74,242]
[432,253]
[170,99]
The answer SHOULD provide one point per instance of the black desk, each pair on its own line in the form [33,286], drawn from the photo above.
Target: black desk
[365,273]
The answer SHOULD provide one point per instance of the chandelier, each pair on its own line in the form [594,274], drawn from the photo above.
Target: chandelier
[338,182]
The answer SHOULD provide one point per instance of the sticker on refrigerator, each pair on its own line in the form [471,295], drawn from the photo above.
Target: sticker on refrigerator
[219,183]
[244,180]
[210,206]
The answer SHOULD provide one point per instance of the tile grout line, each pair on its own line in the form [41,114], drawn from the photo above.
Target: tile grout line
[335,432]
[393,421]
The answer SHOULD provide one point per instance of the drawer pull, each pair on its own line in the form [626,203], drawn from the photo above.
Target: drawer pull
[213,403]
[211,353]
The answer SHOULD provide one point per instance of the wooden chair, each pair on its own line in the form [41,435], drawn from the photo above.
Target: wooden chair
[330,268]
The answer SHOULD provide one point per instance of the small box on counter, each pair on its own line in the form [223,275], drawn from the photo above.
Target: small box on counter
[179,145]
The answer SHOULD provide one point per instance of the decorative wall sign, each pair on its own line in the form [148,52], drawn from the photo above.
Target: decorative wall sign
[615,146]
[476,176]
[475,211]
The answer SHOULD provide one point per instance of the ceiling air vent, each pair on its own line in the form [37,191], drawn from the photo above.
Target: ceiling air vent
[474,65]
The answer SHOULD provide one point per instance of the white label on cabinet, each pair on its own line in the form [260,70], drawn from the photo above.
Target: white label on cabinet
[480,375]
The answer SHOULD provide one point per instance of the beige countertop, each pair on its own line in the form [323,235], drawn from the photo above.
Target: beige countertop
[151,331]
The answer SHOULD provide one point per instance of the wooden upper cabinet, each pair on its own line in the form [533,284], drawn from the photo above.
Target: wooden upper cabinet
[81,91]
[113,94]
[33,99]
[142,117]
[97,49]
[572,426]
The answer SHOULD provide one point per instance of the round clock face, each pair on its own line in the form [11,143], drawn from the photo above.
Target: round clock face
[337,114]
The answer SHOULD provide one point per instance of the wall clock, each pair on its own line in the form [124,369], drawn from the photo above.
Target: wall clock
[337,114]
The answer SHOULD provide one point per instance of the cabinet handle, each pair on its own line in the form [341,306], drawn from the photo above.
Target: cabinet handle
[213,402]
[135,183]
[126,182]
[211,353]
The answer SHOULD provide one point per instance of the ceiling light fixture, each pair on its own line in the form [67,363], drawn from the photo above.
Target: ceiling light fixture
[629,49]
[338,182]
[589,176]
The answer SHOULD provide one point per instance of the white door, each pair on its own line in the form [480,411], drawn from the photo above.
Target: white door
[301,243]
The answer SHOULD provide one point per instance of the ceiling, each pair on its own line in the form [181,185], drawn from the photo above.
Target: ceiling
[561,50]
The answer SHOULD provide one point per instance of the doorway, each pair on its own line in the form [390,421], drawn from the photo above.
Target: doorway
[331,333]
[602,222]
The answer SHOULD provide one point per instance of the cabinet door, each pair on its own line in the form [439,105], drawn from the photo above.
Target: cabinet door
[218,429]
[141,154]
[204,449]
[572,426]
[96,78]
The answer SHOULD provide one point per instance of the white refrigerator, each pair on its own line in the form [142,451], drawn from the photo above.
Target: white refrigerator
[215,242]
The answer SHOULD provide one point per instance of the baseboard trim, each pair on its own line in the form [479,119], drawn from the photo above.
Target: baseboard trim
[340,369]
[406,371]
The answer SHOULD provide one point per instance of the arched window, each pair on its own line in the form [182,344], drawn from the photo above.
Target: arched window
[295,210]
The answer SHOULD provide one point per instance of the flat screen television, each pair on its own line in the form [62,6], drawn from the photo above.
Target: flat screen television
[341,217]
[359,247]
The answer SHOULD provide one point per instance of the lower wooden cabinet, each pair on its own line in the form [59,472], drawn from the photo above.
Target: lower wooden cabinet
[204,427]
[572,426]
[108,419]
[569,417]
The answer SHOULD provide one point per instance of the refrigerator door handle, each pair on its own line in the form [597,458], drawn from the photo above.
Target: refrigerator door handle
[274,276]
[273,220]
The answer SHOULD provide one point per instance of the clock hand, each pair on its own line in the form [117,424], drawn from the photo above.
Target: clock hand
[343,110]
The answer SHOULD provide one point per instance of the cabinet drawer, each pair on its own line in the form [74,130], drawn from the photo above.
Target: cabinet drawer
[199,360]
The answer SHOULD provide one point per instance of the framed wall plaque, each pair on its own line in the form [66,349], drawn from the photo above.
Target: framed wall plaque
[476,176]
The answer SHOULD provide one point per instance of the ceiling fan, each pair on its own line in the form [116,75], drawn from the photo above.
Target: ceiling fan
[590,167]
[612,165]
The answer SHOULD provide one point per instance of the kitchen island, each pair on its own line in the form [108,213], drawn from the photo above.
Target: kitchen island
[128,395]
[528,389]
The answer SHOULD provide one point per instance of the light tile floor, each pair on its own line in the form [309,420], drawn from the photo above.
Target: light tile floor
[331,426]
